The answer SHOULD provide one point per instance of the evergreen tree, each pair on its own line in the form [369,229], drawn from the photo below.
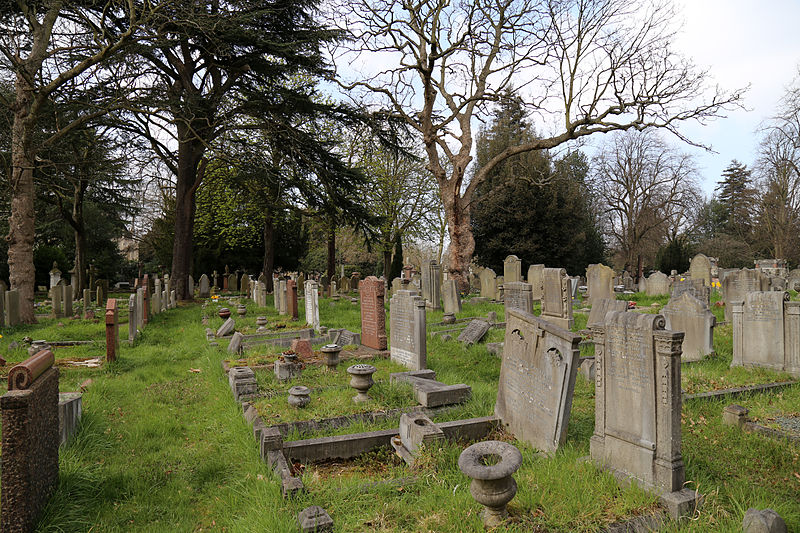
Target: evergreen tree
[737,195]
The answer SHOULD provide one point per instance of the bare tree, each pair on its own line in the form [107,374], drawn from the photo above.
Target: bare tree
[591,65]
[648,191]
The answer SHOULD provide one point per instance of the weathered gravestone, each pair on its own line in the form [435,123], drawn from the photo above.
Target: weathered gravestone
[657,284]
[434,297]
[140,308]
[233,283]
[793,283]
[637,429]
[536,280]
[244,285]
[55,275]
[205,287]
[597,316]
[700,268]
[280,296]
[695,287]
[628,282]
[312,304]
[397,285]
[291,299]
[226,328]
[452,299]
[498,295]
[474,332]
[55,296]
[407,330]
[102,291]
[693,317]
[190,287]
[156,307]
[512,269]
[87,302]
[112,329]
[736,285]
[373,313]
[599,280]
[12,307]
[66,298]
[537,379]
[766,332]
[518,295]
[557,300]
[132,321]
[488,283]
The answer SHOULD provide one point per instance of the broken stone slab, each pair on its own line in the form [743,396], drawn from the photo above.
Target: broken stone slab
[314,519]
[763,521]
[226,328]
[495,348]
[416,430]
[432,393]
[474,332]
[235,346]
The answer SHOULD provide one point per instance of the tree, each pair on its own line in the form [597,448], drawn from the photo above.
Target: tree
[737,195]
[646,187]
[599,65]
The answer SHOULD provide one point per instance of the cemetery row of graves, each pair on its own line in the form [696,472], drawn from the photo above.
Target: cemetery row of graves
[545,403]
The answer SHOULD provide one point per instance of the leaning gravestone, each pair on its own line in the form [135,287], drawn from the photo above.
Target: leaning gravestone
[512,269]
[536,280]
[12,307]
[736,285]
[474,332]
[407,330]
[657,284]
[518,295]
[537,379]
[205,287]
[557,300]
[599,280]
[488,283]
[373,313]
[452,299]
[597,316]
[700,268]
[312,304]
[638,366]
[692,316]
[226,328]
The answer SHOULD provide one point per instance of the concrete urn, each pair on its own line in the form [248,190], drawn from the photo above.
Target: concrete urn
[299,396]
[331,352]
[241,310]
[224,313]
[261,321]
[361,380]
[490,464]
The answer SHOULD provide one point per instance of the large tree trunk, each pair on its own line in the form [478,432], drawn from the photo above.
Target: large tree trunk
[462,242]
[387,264]
[331,252]
[190,152]
[269,250]
[79,278]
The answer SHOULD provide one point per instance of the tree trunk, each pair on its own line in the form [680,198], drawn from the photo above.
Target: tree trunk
[190,152]
[269,250]
[462,242]
[331,251]
[387,263]
[79,278]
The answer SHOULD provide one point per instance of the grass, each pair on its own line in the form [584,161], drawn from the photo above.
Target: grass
[164,447]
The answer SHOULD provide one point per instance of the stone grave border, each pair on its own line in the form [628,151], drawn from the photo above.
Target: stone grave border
[736,416]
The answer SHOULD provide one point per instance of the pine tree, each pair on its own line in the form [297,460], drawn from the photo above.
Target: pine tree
[737,195]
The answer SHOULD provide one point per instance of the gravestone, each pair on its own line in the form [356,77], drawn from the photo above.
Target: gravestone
[140,308]
[2,307]
[766,332]
[291,299]
[112,330]
[373,313]
[432,284]
[512,269]
[205,287]
[452,299]
[537,380]
[693,317]
[518,295]
[173,299]
[233,283]
[156,308]
[657,284]
[498,295]
[164,300]
[145,309]
[695,287]
[638,366]
[67,300]
[737,284]
[628,282]
[132,321]
[397,285]
[536,281]
[190,287]
[312,304]
[700,268]
[324,284]
[793,283]
[55,296]
[102,291]
[556,300]
[55,275]
[474,332]
[87,302]
[226,328]
[597,315]
[280,296]
[488,283]
[599,280]
[12,307]
[407,329]
[244,285]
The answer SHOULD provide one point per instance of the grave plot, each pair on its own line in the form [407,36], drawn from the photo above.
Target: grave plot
[774,415]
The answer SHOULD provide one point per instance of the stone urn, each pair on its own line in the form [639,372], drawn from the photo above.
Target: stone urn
[224,313]
[261,321]
[449,318]
[361,380]
[289,357]
[241,310]
[490,464]
[299,396]
[331,352]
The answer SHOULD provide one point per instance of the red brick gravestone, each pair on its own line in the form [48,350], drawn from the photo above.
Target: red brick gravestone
[291,299]
[373,313]
[112,330]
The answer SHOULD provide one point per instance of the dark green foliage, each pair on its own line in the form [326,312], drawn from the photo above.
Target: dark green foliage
[738,197]
[675,255]
[397,260]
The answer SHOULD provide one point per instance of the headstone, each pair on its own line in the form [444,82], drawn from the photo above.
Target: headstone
[638,366]
[280,295]
[55,295]
[628,282]
[599,280]
[233,283]
[692,316]
[244,286]
[12,307]
[518,295]
[435,285]
[235,344]
[695,287]
[657,284]
[536,281]
[498,295]
[173,299]
[373,313]
[102,291]
[226,328]
[112,330]
[291,299]
[301,283]
[763,521]
[156,307]
[736,285]
[55,275]
[312,304]
[597,315]
[145,309]
[215,278]
[766,332]
[2,307]
[67,299]
[793,283]
[700,268]
[132,320]
[205,287]
[397,285]
[324,285]
[537,380]
[488,283]
[474,332]
[452,299]
[164,300]
[87,302]
[407,329]
[556,300]
[190,287]
[512,269]
[140,308]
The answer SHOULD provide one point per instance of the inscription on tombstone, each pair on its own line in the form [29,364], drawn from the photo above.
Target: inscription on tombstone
[312,304]
[599,280]
[536,280]
[736,285]
[474,332]
[512,269]
[407,330]
[765,332]
[692,316]
[452,299]
[557,300]
[373,313]
[518,295]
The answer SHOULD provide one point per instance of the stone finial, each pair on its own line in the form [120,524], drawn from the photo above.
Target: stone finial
[734,415]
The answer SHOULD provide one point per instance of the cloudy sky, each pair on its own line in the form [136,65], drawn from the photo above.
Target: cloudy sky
[740,42]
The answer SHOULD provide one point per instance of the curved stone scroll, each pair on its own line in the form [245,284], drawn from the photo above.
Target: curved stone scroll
[22,376]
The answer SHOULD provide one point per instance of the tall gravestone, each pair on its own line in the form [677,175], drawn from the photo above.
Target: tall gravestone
[291,299]
[736,285]
[436,285]
[190,287]
[140,308]
[766,332]
[373,313]
[557,300]
[451,297]
[233,283]
[638,366]
[205,287]
[312,304]
[518,295]
[67,299]
[280,294]
[498,295]
[407,330]
[537,380]
[156,307]
[245,284]
[112,329]
[12,307]
[700,268]
[145,307]
[132,320]
[55,296]
[657,284]
[488,283]
[512,269]
[597,316]
[599,280]
[536,280]
[693,317]
[102,291]
[87,302]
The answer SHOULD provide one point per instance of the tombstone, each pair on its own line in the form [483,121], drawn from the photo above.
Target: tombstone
[498,295]
[55,296]
[280,296]
[638,366]
[334,290]
[233,283]
[693,317]
[132,320]
[244,286]
[324,284]
[488,283]
[157,291]
[695,287]
[793,282]
[235,344]
[518,295]
[599,280]
[373,313]
[452,299]
[301,283]
[12,307]
[173,299]
[205,287]
[140,308]
[2,307]
[436,285]
[512,269]
[102,291]
[87,302]
[426,281]
[355,277]
[772,267]
[67,299]
[736,285]
[262,294]
[312,304]
[145,309]
[536,281]
[112,330]
[777,284]
[556,299]
[291,299]
[537,380]
[597,315]
[766,332]
[407,330]
[215,278]
[474,332]
[226,328]
[700,268]
[225,279]
[397,285]
[55,275]
[628,282]
[657,284]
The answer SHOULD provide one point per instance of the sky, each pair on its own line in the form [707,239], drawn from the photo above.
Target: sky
[740,43]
